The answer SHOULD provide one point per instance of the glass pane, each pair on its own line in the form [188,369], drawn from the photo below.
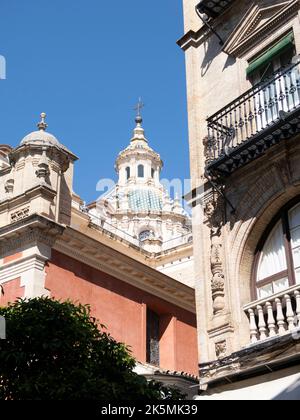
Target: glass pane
[297,273]
[273,259]
[296,256]
[294,217]
[295,234]
[266,291]
[141,171]
[280,285]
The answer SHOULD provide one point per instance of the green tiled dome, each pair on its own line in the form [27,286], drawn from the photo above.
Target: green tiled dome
[144,200]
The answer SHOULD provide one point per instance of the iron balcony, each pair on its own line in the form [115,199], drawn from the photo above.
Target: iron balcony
[257,120]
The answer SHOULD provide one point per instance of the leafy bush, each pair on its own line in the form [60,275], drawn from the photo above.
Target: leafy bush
[56,351]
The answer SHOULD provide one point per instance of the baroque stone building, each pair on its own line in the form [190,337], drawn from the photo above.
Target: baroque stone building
[140,210]
[243,86]
[53,245]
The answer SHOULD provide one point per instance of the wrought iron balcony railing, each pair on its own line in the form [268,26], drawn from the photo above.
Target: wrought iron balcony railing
[255,121]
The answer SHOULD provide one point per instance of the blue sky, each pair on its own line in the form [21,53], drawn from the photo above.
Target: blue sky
[85,63]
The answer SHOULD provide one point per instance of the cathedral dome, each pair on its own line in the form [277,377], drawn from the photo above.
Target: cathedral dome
[41,137]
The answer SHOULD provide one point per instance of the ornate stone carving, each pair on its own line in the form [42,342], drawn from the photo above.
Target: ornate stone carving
[209,144]
[43,170]
[9,186]
[214,214]
[221,349]
[20,214]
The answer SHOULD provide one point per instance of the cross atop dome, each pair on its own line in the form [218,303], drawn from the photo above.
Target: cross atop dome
[140,105]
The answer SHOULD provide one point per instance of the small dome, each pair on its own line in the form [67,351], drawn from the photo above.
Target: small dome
[40,138]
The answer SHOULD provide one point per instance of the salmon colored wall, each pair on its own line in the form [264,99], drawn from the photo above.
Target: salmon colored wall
[122,308]
[11,258]
[12,291]
[167,336]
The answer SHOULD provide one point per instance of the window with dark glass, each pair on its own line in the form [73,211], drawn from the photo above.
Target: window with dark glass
[128,173]
[153,357]
[269,63]
[152,172]
[278,260]
[141,171]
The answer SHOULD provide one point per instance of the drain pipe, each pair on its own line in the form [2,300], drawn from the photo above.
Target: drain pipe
[207,24]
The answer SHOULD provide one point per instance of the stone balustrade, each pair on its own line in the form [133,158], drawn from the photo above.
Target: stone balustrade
[274,316]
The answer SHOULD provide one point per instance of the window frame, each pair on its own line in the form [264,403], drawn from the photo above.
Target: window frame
[276,59]
[283,217]
[128,173]
[142,168]
[152,317]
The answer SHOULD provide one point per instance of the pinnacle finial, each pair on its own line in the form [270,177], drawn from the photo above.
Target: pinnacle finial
[42,125]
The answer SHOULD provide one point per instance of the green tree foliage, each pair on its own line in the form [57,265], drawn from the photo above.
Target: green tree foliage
[56,351]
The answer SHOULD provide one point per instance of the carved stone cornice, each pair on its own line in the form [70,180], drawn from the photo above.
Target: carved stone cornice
[261,358]
[38,190]
[30,230]
[193,39]
[103,258]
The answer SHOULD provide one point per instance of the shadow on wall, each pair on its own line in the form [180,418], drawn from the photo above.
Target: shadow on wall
[212,50]
[65,202]
[292,393]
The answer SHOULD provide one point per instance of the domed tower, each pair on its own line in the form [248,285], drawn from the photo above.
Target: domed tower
[139,207]
[37,178]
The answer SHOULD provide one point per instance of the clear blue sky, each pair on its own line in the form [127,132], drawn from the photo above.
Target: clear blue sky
[85,63]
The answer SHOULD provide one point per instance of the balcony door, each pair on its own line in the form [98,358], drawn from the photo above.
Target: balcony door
[279,82]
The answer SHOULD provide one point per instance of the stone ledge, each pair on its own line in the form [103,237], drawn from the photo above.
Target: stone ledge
[265,357]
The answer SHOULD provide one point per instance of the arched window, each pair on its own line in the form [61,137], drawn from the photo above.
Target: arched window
[141,171]
[128,173]
[278,259]
[152,173]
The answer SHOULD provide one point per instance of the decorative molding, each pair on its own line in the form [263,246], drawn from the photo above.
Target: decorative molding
[15,269]
[215,219]
[251,31]
[30,230]
[221,349]
[19,214]
[38,190]
[224,329]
